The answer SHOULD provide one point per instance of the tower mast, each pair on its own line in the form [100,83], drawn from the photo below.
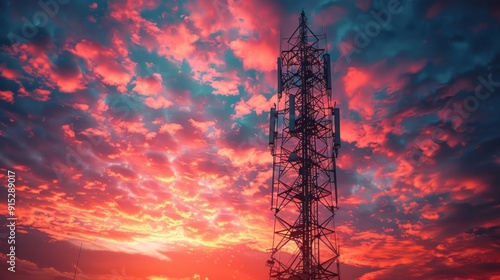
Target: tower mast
[304,136]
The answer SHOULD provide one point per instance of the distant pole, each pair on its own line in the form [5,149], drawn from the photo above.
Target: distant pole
[77,261]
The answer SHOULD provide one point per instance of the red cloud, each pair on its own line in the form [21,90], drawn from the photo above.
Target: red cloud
[267,53]
[149,86]
[257,102]
[104,62]
[158,102]
[7,96]
[184,40]
[359,89]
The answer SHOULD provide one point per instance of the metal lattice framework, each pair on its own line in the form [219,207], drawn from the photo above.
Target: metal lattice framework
[304,147]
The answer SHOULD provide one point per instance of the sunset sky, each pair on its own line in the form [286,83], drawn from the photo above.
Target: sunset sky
[138,130]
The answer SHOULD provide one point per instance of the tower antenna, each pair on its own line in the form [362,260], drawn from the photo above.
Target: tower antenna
[304,136]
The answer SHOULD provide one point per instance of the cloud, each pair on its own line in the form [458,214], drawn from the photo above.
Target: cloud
[139,128]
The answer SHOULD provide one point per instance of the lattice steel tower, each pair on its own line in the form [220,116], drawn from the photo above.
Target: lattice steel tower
[304,137]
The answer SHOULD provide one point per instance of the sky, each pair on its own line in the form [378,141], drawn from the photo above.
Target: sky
[137,130]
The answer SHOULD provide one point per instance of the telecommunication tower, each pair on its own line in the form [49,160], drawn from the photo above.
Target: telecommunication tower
[304,137]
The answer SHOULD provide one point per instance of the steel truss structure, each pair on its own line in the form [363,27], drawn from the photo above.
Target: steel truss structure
[304,138]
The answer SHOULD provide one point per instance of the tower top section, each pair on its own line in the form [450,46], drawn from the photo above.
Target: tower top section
[303,18]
